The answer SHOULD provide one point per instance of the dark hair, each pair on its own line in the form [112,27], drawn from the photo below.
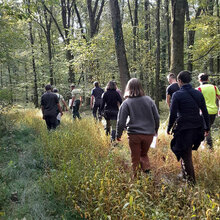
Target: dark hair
[96,84]
[55,90]
[48,87]
[203,77]
[111,85]
[171,75]
[184,76]
[134,88]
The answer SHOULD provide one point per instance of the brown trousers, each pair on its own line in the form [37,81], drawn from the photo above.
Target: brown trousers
[139,145]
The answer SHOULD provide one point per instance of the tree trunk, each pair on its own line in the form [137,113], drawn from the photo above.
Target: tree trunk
[26,82]
[33,59]
[190,38]
[218,23]
[177,35]
[93,19]
[10,84]
[49,48]
[134,23]
[119,44]
[167,18]
[147,38]
[210,10]
[1,76]
[157,77]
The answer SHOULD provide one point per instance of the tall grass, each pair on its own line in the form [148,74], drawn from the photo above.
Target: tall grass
[94,178]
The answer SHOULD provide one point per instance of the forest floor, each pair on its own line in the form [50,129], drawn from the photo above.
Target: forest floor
[54,175]
[22,171]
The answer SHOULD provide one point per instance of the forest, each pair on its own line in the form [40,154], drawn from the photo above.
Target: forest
[74,172]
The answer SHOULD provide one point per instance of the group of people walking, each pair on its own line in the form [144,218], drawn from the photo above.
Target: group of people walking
[189,119]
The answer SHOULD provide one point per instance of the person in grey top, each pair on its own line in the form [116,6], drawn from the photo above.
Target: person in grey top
[139,114]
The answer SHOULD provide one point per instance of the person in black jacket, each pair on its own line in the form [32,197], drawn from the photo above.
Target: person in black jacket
[50,107]
[96,100]
[189,124]
[110,103]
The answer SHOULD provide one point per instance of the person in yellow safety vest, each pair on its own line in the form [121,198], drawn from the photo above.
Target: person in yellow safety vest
[210,93]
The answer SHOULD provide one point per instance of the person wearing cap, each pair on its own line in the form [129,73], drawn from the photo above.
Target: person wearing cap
[61,100]
[50,106]
[210,93]
[76,101]
[96,100]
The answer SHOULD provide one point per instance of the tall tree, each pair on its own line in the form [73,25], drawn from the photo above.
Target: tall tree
[157,77]
[134,23]
[210,10]
[167,18]
[190,37]
[66,14]
[33,57]
[177,35]
[218,15]
[93,19]
[119,43]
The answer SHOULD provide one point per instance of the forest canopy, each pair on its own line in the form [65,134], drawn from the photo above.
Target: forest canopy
[62,42]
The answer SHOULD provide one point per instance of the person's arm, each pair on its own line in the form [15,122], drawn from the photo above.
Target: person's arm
[65,105]
[168,99]
[42,109]
[204,113]
[156,117]
[73,99]
[81,100]
[121,120]
[59,107]
[91,101]
[103,102]
[218,97]
[173,113]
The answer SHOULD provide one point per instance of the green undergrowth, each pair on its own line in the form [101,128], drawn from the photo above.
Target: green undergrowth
[22,171]
[94,178]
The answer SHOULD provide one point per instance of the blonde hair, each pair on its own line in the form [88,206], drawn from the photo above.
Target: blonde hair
[133,89]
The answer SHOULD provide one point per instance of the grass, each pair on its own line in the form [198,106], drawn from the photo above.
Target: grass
[21,178]
[83,170]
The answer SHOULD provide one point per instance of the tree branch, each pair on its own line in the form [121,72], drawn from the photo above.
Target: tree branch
[129,7]
[204,54]
[80,21]
[55,21]
[99,14]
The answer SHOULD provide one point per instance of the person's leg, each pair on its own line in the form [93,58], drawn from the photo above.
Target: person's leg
[76,109]
[209,137]
[108,127]
[47,120]
[187,166]
[94,111]
[77,104]
[135,147]
[53,122]
[145,145]
[113,124]
[99,112]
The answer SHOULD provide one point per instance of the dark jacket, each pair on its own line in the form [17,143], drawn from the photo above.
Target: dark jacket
[185,108]
[110,100]
[49,102]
